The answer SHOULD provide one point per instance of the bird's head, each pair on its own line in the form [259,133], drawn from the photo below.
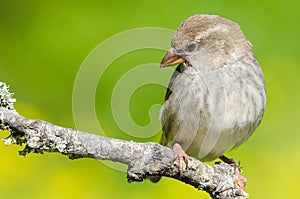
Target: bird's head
[206,42]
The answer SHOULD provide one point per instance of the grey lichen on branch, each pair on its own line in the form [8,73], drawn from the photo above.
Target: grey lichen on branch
[6,97]
[143,159]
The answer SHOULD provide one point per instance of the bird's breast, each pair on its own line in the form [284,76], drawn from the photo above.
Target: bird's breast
[209,111]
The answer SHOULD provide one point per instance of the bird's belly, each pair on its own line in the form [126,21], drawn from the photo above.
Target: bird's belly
[206,118]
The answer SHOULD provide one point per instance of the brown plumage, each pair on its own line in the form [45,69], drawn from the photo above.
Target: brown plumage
[216,96]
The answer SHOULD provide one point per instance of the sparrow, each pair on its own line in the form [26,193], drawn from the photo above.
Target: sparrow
[216,96]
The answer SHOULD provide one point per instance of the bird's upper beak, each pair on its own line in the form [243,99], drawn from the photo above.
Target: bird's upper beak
[171,59]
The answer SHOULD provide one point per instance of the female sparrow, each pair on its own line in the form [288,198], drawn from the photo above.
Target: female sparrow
[216,97]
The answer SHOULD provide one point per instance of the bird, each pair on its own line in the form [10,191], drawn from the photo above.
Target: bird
[216,96]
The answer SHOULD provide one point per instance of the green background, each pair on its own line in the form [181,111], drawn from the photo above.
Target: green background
[43,43]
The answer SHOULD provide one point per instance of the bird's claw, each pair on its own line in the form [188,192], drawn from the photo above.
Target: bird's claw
[181,156]
[239,180]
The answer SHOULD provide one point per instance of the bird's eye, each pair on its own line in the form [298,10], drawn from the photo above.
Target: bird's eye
[191,47]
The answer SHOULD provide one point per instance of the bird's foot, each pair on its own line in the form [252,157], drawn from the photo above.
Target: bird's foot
[181,156]
[239,180]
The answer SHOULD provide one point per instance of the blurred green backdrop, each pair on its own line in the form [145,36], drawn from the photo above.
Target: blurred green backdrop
[43,43]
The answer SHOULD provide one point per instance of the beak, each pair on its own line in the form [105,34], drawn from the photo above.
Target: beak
[171,59]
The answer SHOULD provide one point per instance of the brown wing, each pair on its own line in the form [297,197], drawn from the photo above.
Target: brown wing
[177,71]
[167,127]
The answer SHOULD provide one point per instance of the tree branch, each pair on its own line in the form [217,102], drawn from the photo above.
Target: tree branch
[143,159]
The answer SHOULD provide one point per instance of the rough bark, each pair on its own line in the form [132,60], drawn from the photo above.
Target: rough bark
[143,159]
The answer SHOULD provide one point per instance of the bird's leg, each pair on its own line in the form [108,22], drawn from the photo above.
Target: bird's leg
[181,156]
[239,180]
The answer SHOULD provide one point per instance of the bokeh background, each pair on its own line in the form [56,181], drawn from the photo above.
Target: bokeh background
[43,43]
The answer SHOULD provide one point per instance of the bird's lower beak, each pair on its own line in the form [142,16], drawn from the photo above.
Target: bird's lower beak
[170,59]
